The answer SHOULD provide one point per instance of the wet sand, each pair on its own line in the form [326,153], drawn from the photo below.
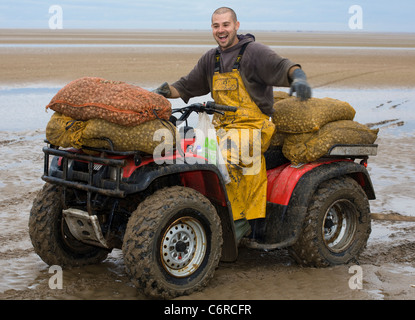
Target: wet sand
[387,263]
[353,59]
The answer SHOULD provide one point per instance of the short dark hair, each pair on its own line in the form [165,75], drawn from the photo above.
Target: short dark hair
[223,10]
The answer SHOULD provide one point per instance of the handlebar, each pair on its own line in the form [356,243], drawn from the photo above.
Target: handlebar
[220,107]
[210,108]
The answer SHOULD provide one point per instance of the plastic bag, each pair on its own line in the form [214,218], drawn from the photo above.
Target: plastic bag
[206,145]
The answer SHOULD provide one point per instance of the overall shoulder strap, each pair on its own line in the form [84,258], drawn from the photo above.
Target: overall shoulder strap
[217,61]
[237,63]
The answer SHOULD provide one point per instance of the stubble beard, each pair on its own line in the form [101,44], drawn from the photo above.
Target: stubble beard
[230,43]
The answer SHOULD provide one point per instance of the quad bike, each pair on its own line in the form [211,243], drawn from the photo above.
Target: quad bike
[174,222]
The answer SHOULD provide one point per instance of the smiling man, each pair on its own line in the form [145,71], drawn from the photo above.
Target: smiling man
[241,72]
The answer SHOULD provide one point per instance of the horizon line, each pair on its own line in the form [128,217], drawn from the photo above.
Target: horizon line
[208,30]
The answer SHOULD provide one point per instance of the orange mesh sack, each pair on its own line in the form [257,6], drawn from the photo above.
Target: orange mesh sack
[114,101]
[295,116]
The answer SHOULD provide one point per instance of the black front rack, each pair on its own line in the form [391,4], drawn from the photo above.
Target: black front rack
[66,177]
[100,173]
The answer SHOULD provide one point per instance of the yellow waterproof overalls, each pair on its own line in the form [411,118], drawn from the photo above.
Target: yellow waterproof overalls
[247,190]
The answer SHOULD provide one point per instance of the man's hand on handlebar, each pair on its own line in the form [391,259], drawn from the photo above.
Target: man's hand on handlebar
[167,91]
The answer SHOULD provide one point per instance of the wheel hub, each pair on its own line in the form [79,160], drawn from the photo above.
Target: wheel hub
[339,225]
[183,247]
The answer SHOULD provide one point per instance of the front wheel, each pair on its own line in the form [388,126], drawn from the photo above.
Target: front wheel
[173,243]
[51,237]
[337,225]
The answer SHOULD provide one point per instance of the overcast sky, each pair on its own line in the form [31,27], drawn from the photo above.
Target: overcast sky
[292,15]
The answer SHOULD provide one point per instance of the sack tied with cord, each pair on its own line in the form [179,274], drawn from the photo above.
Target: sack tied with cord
[114,101]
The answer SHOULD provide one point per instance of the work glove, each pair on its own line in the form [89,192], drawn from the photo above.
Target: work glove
[300,85]
[163,90]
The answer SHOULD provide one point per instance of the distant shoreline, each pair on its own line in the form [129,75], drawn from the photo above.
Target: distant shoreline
[204,37]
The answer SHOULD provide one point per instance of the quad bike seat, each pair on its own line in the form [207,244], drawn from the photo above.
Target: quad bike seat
[274,157]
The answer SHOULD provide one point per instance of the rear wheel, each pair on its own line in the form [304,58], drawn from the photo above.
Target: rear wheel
[173,243]
[337,225]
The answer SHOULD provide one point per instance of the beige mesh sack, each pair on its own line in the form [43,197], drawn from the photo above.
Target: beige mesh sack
[66,132]
[280,95]
[308,147]
[277,139]
[295,116]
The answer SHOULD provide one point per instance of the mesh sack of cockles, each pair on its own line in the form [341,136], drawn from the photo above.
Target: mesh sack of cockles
[280,95]
[67,132]
[277,139]
[295,116]
[117,102]
[308,147]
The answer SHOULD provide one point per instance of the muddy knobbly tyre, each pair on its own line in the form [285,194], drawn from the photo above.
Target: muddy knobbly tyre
[50,235]
[337,225]
[173,243]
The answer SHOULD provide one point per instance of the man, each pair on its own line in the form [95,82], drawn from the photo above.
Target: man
[241,72]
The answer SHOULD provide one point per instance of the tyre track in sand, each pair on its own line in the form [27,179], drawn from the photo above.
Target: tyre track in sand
[343,78]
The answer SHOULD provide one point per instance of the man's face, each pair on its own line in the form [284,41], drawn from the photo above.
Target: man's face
[224,30]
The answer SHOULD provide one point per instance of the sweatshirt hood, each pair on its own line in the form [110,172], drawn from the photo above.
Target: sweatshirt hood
[246,37]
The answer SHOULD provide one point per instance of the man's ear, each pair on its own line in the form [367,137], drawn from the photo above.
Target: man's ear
[237,25]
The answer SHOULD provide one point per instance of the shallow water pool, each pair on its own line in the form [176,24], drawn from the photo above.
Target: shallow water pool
[23,108]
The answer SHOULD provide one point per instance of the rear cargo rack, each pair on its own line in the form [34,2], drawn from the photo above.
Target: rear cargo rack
[361,151]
